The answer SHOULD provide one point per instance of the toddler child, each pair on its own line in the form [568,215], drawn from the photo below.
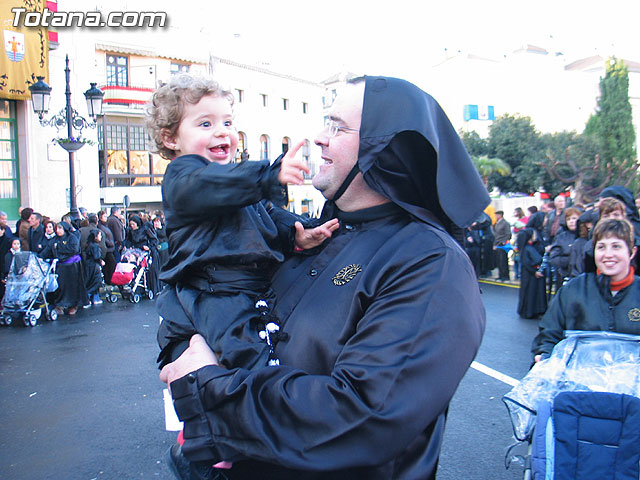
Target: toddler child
[226,228]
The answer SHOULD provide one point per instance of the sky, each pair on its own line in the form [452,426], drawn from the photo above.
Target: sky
[402,38]
[394,37]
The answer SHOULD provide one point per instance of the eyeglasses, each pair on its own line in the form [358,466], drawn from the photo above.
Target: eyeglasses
[333,128]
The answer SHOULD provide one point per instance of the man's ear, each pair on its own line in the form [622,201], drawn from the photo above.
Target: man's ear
[633,252]
[168,140]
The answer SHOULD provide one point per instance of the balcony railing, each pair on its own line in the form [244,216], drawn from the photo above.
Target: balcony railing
[134,97]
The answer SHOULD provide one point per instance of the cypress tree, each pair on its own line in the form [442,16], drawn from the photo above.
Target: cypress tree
[612,125]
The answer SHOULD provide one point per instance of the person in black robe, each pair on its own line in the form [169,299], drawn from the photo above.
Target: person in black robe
[71,292]
[560,252]
[485,235]
[163,242]
[47,240]
[6,238]
[109,256]
[532,296]
[92,262]
[473,247]
[14,247]
[142,236]
[381,321]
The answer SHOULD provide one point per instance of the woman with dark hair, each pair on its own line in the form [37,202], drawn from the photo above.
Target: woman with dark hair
[603,300]
[582,249]
[71,292]
[142,235]
[47,239]
[560,251]
[532,299]
[163,242]
[109,258]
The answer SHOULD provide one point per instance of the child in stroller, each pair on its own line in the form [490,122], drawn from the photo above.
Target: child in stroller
[28,281]
[131,276]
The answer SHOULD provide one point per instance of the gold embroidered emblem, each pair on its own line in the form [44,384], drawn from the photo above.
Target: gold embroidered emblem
[346,274]
[634,314]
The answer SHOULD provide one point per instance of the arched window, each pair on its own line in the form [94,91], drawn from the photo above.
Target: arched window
[264,147]
[286,143]
[306,156]
[242,144]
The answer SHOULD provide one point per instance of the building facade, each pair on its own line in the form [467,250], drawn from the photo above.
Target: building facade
[272,112]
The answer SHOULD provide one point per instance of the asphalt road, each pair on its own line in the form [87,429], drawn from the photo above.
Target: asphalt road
[80,397]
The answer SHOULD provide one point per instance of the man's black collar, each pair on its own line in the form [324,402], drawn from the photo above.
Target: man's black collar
[368,214]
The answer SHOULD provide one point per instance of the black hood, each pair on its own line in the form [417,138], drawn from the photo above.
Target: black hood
[523,238]
[625,196]
[92,235]
[66,226]
[411,154]
[536,222]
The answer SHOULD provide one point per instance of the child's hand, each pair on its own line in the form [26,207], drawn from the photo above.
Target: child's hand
[312,237]
[291,168]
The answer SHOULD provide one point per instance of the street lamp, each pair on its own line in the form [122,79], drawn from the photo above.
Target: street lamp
[40,97]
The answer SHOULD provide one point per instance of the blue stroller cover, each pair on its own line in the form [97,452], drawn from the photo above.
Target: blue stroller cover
[587,435]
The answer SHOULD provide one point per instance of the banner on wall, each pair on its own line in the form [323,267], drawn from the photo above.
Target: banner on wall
[25,53]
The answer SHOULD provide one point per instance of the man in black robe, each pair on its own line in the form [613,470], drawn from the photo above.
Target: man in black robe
[378,326]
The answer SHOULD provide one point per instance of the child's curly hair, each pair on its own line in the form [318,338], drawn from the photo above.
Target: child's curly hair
[165,110]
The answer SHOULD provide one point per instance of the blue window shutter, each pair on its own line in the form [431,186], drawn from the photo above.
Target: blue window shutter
[470,112]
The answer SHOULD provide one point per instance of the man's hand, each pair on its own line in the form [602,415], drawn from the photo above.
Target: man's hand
[312,237]
[198,355]
[291,168]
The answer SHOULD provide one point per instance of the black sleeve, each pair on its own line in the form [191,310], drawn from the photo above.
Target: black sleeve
[285,221]
[552,325]
[47,251]
[196,190]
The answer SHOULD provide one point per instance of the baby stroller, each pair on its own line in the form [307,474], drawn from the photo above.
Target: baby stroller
[131,276]
[30,279]
[578,411]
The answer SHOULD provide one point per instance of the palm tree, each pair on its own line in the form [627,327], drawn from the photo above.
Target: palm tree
[486,166]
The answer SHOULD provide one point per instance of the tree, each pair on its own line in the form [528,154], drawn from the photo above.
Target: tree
[476,145]
[515,140]
[612,125]
[487,166]
[572,160]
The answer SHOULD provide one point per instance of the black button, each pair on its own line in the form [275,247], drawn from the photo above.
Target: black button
[191,378]
[313,272]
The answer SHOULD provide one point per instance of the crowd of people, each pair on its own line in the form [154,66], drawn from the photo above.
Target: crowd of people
[87,249]
[547,246]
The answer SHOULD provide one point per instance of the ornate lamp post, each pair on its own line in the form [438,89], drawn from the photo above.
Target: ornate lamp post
[40,97]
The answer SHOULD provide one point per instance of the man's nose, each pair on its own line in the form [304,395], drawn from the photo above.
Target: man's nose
[322,139]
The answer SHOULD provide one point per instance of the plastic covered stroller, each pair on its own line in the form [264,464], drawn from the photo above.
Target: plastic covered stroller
[131,275]
[30,279]
[579,410]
